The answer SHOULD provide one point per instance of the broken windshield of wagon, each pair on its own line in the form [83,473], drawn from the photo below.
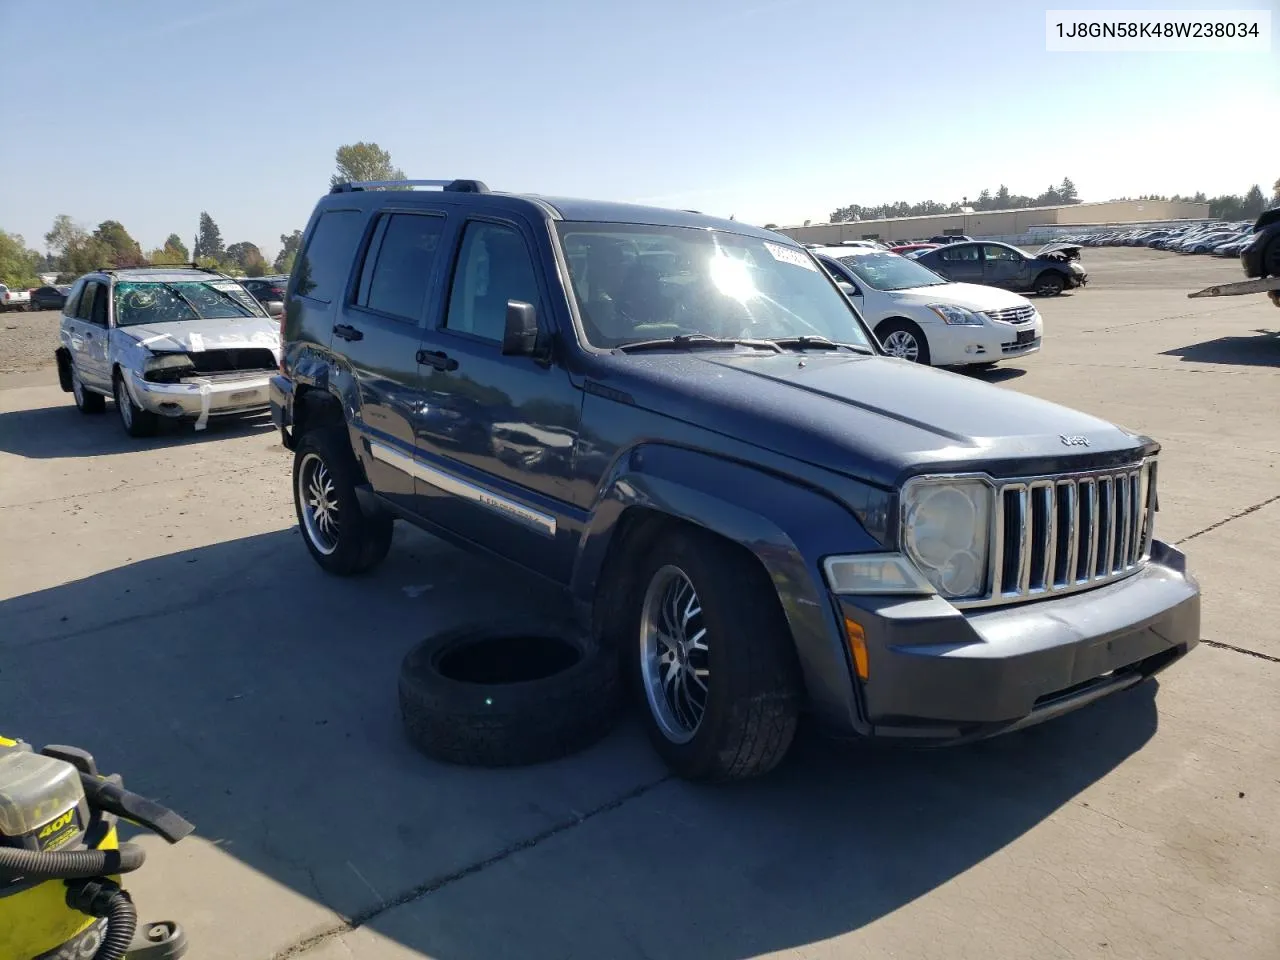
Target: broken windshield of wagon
[646,283]
[139,302]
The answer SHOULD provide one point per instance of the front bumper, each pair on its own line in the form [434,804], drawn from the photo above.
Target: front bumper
[202,397]
[994,340]
[938,673]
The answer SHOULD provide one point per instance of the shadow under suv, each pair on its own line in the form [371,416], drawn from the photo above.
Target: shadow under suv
[684,424]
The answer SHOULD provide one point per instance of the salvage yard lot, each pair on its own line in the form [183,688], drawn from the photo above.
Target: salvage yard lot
[158,607]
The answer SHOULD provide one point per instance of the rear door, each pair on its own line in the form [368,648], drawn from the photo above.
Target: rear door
[961,262]
[377,334]
[88,340]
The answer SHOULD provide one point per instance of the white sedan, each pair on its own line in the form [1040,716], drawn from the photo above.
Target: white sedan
[920,316]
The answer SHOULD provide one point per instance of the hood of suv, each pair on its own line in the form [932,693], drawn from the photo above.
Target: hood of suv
[876,418]
[971,296]
[192,336]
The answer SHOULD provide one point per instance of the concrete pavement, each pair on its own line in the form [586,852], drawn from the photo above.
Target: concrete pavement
[158,607]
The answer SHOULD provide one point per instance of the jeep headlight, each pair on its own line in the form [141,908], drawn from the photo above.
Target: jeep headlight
[946,532]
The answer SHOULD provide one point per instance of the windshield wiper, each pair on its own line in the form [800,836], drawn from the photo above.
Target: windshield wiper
[698,340]
[818,343]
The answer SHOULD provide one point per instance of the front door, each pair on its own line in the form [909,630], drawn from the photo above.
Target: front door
[1002,266]
[378,335]
[496,434]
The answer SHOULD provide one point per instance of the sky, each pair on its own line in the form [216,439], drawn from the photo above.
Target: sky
[149,111]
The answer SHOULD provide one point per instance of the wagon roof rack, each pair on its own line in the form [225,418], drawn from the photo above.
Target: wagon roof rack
[449,186]
[159,266]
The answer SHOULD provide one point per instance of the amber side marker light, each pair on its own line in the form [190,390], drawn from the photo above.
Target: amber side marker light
[858,646]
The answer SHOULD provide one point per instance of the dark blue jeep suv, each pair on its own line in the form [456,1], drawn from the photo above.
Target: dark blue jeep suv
[685,424]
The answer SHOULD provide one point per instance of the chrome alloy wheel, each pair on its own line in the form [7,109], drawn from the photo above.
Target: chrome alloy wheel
[674,660]
[901,343]
[318,498]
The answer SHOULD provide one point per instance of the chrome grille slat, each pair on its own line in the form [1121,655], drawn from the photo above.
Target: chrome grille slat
[1069,532]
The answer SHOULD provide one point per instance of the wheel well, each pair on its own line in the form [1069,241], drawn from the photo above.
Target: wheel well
[638,529]
[315,409]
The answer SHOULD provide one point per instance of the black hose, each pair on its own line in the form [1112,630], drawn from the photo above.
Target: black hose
[122,922]
[69,864]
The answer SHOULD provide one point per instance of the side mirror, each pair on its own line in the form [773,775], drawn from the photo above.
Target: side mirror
[848,288]
[275,308]
[520,337]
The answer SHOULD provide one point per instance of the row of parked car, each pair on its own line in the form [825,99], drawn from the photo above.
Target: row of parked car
[1222,239]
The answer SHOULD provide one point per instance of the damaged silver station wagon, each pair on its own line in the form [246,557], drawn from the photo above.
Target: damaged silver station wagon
[177,342]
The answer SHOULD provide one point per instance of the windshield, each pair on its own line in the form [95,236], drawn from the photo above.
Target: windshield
[889,271]
[637,282]
[153,301]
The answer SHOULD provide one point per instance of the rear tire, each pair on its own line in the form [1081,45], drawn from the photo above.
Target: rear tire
[87,401]
[1050,284]
[721,693]
[339,534]
[136,421]
[903,339]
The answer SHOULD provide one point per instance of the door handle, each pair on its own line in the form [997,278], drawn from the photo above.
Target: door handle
[347,332]
[438,359]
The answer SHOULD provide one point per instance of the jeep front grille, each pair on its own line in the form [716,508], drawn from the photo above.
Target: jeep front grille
[1061,534]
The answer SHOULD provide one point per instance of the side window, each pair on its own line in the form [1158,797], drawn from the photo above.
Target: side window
[398,267]
[85,308]
[993,252]
[73,300]
[958,252]
[325,264]
[493,267]
[99,314]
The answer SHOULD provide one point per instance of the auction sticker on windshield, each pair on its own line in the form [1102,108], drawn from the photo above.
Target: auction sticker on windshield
[790,255]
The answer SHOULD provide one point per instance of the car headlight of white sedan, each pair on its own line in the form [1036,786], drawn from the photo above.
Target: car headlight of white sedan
[949,313]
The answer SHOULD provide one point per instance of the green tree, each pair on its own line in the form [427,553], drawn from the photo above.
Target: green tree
[73,249]
[247,257]
[1254,201]
[123,250]
[289,245]
[208,240]
[363,161]
[1067,191]
[17,263]
[173,244]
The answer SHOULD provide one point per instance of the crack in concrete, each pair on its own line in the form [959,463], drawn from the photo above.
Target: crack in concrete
[1235,516]
[1245,650]
[359,920]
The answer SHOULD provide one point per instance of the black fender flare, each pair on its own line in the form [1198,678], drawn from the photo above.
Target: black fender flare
[62,356]
[787,525]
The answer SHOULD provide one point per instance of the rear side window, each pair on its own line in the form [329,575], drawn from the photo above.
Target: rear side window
[73,301]
[325,264]
[399,266]
[959,253]
[85,309]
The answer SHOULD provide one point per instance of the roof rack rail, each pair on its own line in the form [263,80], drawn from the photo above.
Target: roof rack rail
[161,266]
[451,186]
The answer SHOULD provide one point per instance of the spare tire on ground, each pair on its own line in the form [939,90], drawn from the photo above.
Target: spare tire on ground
[508,694]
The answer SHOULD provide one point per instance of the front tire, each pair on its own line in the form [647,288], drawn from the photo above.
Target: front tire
[340,536]
[136,421]
[1050,284]
[717,672]
[903,339]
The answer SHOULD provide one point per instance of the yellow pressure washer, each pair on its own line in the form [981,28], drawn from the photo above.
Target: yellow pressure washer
[61,860]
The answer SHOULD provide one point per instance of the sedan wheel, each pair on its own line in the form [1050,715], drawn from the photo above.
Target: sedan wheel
[902,344]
